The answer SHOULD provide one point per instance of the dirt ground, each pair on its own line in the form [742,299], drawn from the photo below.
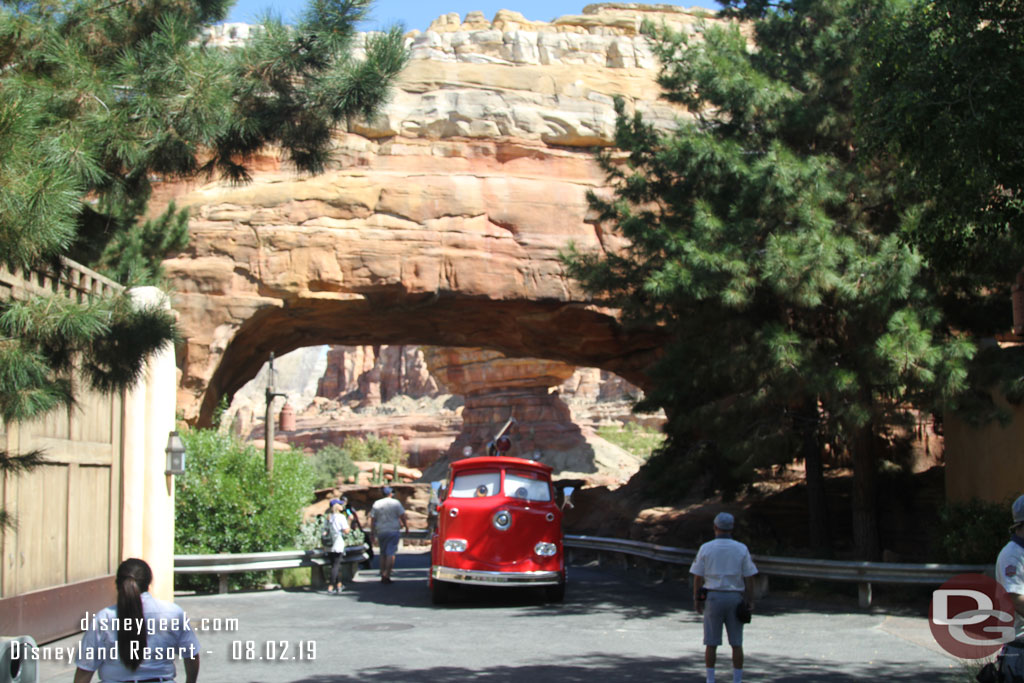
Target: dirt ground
[772,516]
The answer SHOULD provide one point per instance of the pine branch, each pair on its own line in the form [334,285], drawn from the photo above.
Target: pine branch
[18,464]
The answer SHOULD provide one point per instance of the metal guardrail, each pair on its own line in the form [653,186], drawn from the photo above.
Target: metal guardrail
[224,564]
[650,551]
[862,573]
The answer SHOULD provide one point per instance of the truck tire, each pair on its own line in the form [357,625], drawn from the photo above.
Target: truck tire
[555,593]
[439,592]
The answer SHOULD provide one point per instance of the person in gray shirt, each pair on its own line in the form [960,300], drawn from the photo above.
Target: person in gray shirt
[387,518]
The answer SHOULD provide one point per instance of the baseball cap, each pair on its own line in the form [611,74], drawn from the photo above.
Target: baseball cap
[1018,511]
[386,490]
[334,501]
[724,521]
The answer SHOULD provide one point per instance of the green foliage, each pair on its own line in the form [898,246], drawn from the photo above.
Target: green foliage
[133,255]
[941,99]
[39,193]
[295,577]
[98,101]
[329,463]
[635,438]
[333,461]
[226,503]
[939,104]
[974,532]
[374,449]
[378,476]
[217,419]
[308,536]
[770,252]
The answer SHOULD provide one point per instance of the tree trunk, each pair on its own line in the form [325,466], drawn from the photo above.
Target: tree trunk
[865,517]
[814,475]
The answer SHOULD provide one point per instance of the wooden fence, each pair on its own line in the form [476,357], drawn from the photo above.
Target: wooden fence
[59,560]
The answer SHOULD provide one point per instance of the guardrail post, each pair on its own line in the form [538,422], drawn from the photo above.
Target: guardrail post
[316,577]
[760,586]
[864,594]
[222,583]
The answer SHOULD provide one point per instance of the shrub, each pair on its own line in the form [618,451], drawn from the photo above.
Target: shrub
[308,535]
[639,440]
[329,462]
[387,451]
[226,503]
[974,532]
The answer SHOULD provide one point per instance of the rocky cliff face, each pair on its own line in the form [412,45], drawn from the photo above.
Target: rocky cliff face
[440,222]
[515,79]
[371,375]
[438,401]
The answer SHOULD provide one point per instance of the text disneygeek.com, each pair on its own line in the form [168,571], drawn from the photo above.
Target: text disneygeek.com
[153,626]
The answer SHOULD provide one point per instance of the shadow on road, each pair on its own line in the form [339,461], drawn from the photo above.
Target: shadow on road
[648,670]
[603,592]
[605,589]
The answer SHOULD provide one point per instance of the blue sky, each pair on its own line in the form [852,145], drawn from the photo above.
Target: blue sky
[417,14]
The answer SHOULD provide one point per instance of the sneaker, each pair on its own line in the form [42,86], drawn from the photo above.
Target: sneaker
[331,591]
[385,579]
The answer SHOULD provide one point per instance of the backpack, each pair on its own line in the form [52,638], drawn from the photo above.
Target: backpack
[1008,667]
[327,534]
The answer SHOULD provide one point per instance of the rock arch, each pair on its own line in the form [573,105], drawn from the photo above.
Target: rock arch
[441,222]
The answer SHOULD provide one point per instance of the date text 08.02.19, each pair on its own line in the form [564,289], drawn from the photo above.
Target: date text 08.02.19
[273,651]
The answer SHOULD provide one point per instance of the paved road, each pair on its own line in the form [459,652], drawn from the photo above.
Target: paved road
[608,630]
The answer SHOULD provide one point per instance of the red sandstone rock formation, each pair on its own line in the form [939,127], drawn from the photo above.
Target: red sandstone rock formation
[440,222]
[371,375]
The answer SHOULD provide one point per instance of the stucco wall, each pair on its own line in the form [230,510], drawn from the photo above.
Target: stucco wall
[985,462]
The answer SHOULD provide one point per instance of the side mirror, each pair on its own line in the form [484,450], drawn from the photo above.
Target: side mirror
[567,493]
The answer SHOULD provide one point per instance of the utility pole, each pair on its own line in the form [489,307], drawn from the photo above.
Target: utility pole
[268,446]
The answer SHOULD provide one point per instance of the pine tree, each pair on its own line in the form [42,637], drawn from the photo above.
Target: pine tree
[940,101]
[942,96]
[769,249]
[100,99]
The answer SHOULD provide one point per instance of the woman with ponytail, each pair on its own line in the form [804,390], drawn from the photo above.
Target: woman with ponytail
[138,639]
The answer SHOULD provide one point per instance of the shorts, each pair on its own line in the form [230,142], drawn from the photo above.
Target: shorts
[719,609]
[388,542]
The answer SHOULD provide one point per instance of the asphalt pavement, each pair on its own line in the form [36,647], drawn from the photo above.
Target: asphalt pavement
[612,627]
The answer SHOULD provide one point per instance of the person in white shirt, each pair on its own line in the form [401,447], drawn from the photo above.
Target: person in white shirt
[139,638]
[1010,565]
[723,572]
[338,522]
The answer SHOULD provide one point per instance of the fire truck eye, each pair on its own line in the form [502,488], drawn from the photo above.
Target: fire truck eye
[502,520]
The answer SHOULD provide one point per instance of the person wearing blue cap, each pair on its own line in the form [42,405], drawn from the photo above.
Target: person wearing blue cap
[387,517]
[338,524]
[723,579]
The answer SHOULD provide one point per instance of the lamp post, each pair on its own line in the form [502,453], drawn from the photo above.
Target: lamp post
[268,446]
[175,454]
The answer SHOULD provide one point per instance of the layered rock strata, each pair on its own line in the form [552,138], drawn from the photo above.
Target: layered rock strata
[440,222]
[496,388]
